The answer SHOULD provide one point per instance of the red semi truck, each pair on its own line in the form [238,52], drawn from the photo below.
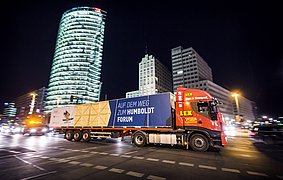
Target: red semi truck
[191,118]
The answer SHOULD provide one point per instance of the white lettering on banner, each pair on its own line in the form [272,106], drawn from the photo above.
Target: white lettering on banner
[131,104]
[143,103]
[149,110]
[135,108]
[125,119]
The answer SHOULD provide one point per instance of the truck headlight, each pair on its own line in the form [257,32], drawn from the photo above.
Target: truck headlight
[32,130]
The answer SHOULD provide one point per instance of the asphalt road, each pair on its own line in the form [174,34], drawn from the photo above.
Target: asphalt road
[53,157]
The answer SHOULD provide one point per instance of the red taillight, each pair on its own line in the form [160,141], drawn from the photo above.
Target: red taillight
[252,133]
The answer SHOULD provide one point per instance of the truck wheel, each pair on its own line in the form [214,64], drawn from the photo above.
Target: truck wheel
[199,142]
[86,136]
[69,135]
[78,135]
[139,139]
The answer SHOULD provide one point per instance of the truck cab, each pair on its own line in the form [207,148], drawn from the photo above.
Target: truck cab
[198,113]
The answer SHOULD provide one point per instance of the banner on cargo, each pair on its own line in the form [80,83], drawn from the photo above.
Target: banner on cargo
[144,111]
[153,110]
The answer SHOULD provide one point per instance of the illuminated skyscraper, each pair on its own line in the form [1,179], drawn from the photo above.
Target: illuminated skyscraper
[76,69]
[154,78]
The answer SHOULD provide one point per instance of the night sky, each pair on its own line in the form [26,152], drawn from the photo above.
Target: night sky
[242,41]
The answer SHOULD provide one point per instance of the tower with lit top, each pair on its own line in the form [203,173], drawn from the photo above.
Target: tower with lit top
[76,68]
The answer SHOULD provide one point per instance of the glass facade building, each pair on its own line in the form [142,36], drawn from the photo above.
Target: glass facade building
[76,69]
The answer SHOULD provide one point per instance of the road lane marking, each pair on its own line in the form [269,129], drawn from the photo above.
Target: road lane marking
[207,167]
[136,174]
[63,160]
[2,157]
[23,160]
[74,162]
[39,175]
[44,157]
[245,155]
[126,156]
[114,154]
[93,152]
[116,170]
[169,162]
[15,152]
[131,152]
[103,153]
[230,170]
[186,164]
[35,156]
[84,151]
[152,159]
[100,167]
[54,159]
[90,148]
[155,177]
[40,168]
[257,173]
[138,157]
[29,154]
[86,164]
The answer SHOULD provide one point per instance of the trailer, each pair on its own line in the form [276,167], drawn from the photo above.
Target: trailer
[189,118]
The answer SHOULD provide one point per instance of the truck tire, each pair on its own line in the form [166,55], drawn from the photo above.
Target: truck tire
[199,142]
[69,135]
[86,136]
[78,135]
[139,139]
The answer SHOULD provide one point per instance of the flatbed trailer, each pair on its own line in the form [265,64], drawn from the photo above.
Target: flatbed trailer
[191,118]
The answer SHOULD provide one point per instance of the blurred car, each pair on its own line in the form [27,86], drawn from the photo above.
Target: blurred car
[10,128]
[35,130]
[269,134]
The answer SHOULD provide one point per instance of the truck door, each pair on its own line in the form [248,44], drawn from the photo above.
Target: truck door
[202,114]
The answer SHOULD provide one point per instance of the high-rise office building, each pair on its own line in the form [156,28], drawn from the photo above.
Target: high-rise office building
[154,78]
[9,112]
[244,108]
[31,103]
[76,69]
[222,94]
[188,67]
[190,70]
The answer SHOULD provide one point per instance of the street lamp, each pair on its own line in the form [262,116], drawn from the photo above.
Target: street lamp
[236,96]
[32,103]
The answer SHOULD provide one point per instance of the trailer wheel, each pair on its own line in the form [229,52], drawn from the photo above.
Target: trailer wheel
[199,142]
[86,136]
[69,135]
[139,139]
[78,135]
